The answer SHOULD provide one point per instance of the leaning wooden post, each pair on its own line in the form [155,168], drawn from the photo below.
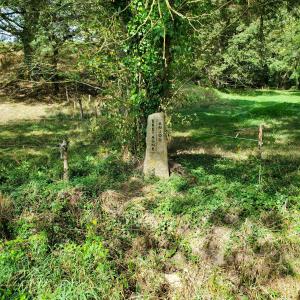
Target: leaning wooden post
[67,95]
[260,144]
[64,155]
[79,100]
[81,108]
[97,106]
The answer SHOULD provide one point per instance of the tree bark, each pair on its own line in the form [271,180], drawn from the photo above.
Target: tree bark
[28,53]
[54,76]
[264,76]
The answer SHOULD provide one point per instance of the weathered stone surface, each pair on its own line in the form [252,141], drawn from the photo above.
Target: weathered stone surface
[156,160]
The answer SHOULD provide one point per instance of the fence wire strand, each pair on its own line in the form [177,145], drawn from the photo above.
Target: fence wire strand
[227,135]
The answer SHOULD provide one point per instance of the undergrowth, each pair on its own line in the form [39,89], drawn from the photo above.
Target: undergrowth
[214,231]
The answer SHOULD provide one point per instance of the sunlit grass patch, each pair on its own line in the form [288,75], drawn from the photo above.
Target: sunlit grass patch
[262,95]
[231,122]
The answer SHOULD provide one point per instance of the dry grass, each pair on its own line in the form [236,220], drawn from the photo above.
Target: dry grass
[16,111]
[6,215]
[6,207]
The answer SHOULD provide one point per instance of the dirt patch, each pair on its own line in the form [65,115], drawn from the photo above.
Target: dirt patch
[112,202]
[19,111]
[212,246]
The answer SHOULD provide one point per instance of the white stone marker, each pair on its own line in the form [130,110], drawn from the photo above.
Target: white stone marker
[156,160]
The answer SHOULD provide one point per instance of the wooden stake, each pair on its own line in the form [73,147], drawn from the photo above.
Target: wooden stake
[64,155]
[260,144]
[260,137]
[67,95]
[81,108]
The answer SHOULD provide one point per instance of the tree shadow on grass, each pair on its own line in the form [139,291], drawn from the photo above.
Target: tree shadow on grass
[226,186]
[294,93]
[211,137]
[238,112]
[30,160]
[278,172]
[226,192]
[217,126]
[44,133]
[251,92]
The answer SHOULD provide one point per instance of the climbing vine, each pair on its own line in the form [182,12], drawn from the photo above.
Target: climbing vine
[148,58]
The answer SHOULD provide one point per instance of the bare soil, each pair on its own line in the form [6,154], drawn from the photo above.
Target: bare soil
[11,111]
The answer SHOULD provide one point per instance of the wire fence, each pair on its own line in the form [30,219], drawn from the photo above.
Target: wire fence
[247,134]
[233,135]
[236,137]
[63,147]
[53,146]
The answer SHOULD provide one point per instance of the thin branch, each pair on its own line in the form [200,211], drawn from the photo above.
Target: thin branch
[63,81]
[9,20]
[174,10]
[121,11]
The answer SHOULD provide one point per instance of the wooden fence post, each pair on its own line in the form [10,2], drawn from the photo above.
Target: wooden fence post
[260,139]
[96,105]
[81,108]
[67,95]
[64,155]
[79,100]
[260,144]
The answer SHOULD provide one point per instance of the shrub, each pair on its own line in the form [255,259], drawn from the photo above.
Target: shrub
[69,271]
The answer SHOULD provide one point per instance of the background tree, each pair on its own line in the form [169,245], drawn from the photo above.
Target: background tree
[238,52]
[56,26]
[20,18]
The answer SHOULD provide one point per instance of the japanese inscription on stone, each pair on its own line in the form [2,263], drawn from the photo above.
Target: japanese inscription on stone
[156,135]
[156,160]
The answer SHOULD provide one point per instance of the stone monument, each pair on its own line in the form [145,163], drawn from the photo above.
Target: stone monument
[156,159]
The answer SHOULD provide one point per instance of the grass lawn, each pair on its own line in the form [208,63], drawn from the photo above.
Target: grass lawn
[212,231]
[241,114]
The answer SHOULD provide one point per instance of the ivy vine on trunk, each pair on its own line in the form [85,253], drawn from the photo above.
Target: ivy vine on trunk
[148,57]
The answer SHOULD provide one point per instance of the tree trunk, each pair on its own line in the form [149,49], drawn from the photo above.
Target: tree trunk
[28,52]
[165,91]
[31,17]
[54,77]
[264,76]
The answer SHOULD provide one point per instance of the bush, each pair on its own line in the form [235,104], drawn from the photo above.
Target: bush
[69,271]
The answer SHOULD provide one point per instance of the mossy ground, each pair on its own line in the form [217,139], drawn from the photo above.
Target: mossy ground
[214,231]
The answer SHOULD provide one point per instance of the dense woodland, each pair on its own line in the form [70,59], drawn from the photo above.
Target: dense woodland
[226,223]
